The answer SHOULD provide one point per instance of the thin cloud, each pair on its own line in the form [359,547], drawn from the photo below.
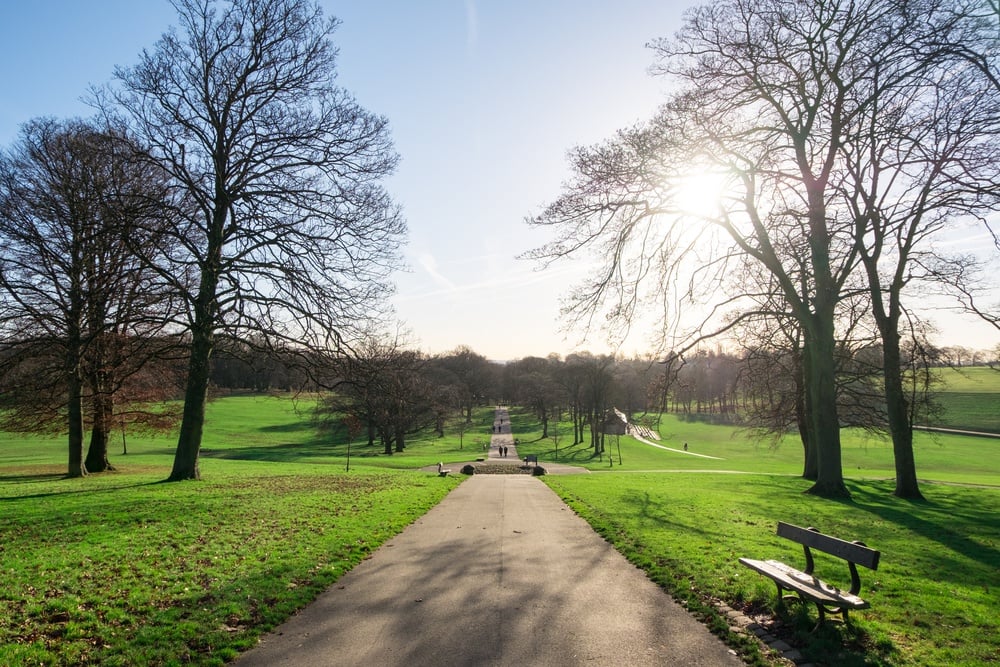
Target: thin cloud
[429,264]
[508,280]
[471,25]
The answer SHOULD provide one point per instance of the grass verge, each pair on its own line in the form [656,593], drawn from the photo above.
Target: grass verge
[124,570]
[933,598]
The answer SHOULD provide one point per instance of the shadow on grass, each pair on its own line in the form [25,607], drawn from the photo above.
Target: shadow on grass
[29,478]
[835,643]
[291,452]
[296,427]
[566,454]
[935,519]
[71,492]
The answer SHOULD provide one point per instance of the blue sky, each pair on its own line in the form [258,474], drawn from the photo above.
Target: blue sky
[484,99]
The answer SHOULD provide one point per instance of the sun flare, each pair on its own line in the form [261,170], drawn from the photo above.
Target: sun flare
[700,193]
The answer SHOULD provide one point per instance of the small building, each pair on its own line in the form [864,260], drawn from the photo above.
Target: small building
[615,422]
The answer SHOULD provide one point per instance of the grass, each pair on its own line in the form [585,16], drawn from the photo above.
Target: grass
[124,570]
[121,569]
[969,397]
[934,597]
[951,458]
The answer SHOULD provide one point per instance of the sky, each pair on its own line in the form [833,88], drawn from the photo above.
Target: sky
[484,100]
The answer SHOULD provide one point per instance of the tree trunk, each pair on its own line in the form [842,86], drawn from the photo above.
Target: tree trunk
[810,467]
[898,412]
[74,410]
[200,361]
[100,433]
[820,346]
[74,389]
[822,392]
[896,403]
[195,398]
[578,424]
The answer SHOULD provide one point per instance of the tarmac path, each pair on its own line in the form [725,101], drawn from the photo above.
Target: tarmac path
[502,437]
[500,573]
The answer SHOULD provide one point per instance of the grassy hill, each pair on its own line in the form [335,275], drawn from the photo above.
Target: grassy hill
[970,398]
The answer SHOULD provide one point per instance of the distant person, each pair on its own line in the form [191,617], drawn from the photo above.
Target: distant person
[685,446]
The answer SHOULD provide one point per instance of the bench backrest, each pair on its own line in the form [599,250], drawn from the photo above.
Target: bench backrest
[853,552]
[531,458]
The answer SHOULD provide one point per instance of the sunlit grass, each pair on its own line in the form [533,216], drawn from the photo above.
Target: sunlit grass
[939,456]
[120,568]
[934,596]
[970,398]
[125,570]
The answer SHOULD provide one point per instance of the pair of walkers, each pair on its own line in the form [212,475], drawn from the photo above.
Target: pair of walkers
[502,450]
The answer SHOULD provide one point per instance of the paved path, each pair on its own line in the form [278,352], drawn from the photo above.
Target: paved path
[502,437]
[500,573]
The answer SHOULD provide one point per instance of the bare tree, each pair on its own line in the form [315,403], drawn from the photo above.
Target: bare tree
[920,158]
[745,112]
[387,388]
[596,380]
[534,386]
[287,232]
[80,309]
[778,98]
[472,374]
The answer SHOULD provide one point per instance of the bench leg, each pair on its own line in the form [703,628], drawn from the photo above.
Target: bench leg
[832,610]
[822,617]
[787,595]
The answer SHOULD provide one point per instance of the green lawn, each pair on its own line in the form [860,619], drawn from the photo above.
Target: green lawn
[974,379]
[934,597]
[952,458]
[121,569]
[970,398]
[686,519]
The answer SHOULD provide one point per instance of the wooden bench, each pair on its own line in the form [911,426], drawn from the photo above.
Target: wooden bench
[442,471]
[828,598]
[531,458]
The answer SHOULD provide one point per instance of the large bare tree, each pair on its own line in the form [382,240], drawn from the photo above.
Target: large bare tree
[288,234]
[778,99]
[920,158]
[743,110]
[80,311]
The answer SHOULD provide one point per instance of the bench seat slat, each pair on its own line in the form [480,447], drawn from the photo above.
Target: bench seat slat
[795,580]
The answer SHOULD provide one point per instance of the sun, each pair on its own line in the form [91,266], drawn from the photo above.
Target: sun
[700,192]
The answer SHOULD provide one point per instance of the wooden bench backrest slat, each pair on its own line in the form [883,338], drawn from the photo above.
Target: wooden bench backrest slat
[849,551]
